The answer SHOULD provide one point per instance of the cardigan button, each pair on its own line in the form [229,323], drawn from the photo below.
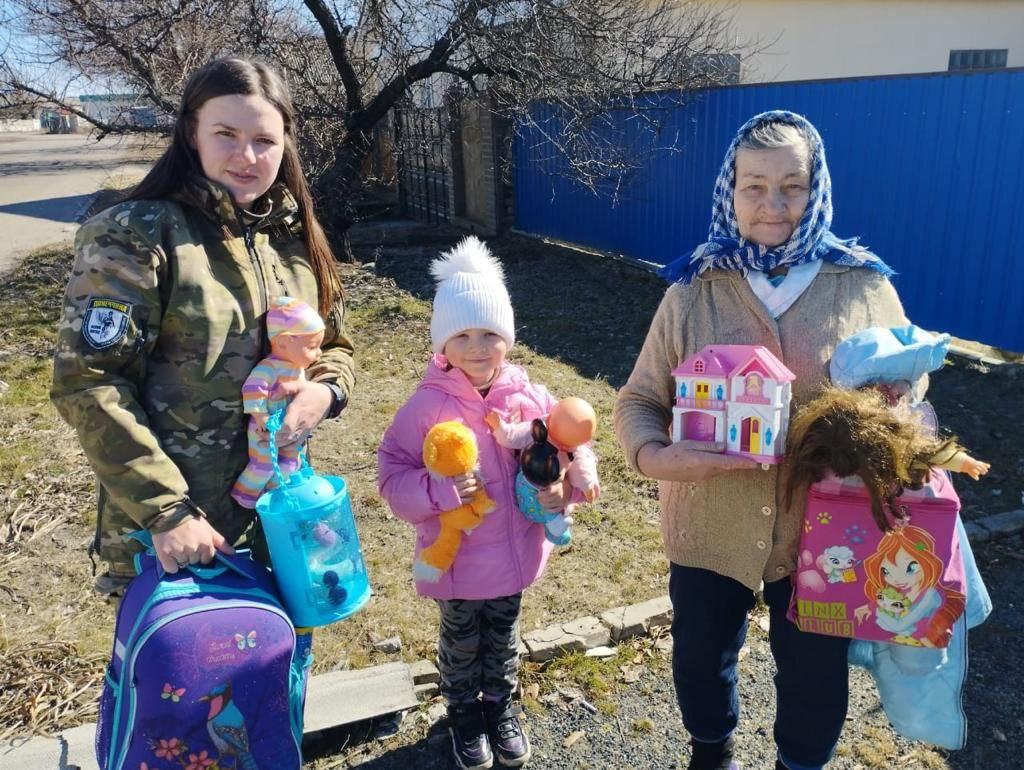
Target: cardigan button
[762,544]
[767,511]
[779,570]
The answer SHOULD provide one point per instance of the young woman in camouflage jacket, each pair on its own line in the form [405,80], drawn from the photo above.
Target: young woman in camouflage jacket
[164,319]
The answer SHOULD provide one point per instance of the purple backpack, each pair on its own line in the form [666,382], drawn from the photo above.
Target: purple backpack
[204,673]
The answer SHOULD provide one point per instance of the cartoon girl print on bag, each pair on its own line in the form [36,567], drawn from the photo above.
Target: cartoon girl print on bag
[905,567]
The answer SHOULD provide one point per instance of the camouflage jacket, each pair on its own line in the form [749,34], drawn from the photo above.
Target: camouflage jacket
[164,317]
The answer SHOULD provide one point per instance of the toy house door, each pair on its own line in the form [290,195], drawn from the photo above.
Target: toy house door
[751,439]
[698,426]
[703,391]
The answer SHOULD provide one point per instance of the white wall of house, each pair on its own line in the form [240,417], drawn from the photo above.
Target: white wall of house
[813,39]
[19,125]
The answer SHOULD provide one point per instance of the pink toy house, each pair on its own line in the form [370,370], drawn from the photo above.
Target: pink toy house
[736,394]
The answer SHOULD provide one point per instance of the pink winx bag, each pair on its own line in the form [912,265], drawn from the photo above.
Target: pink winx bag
[905,586]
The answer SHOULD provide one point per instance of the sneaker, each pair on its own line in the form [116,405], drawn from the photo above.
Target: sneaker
[470,744]
[508,740]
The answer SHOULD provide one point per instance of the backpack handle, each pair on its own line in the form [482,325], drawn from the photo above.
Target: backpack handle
[222,562]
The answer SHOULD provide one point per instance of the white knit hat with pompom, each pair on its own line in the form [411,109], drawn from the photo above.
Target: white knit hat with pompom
[471,294]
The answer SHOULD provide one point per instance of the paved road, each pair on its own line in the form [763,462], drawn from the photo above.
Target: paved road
[46,181]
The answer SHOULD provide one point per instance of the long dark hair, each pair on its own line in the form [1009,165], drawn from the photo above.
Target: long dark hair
[224,77]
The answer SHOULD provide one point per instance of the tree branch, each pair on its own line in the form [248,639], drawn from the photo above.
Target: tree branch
[140,68]
[105,129]
[337,44]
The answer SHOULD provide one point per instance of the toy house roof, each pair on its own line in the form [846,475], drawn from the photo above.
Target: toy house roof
[714,364]
[731,360]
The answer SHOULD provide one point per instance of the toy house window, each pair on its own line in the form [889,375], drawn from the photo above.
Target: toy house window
[753,385]
[698,367]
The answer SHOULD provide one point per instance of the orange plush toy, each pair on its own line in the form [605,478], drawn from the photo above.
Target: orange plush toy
[449,449]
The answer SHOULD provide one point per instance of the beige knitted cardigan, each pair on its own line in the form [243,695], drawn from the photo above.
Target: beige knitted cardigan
[731,524]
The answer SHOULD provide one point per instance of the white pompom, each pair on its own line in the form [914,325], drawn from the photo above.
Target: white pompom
[470,255]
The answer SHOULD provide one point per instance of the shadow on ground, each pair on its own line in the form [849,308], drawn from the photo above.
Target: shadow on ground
[55,167]
[992,702]
[66,209]
[412,745]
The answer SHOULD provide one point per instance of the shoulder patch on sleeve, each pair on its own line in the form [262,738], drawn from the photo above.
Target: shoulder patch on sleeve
[105,322]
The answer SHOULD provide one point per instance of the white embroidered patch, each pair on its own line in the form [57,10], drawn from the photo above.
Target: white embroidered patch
[105,322]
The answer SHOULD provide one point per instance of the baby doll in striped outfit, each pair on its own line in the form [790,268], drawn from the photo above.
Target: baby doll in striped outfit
[296,333]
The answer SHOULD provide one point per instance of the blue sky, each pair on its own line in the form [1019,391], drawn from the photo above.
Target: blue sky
[18,50]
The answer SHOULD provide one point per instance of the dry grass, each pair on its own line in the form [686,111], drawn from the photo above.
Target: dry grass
[45,686]
[50,654]
[875,749]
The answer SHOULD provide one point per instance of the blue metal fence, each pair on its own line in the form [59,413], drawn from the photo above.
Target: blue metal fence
[927,169]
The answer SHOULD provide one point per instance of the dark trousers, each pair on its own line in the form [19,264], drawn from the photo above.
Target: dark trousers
[709,627]
[478,649]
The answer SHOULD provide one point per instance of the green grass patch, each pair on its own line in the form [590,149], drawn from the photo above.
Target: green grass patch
[595,676]
[641,727]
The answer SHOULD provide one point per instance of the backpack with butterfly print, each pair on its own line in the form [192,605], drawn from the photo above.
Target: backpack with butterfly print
[205,672]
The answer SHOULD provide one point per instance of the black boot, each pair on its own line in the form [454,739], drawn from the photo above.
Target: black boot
[713,756]
[470,745]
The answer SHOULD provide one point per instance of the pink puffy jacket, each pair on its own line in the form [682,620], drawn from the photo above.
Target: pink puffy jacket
[506,553]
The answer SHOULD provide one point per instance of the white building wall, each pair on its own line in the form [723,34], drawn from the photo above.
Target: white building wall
[814,39]
[19,125]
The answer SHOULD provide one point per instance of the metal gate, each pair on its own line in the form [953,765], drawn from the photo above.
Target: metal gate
[423,143]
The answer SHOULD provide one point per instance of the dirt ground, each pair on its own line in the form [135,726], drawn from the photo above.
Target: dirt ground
[581,321]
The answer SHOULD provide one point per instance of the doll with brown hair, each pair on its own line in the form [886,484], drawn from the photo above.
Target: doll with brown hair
[878,436]
[857,433]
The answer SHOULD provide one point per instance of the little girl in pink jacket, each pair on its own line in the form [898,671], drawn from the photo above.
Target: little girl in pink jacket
[471,331]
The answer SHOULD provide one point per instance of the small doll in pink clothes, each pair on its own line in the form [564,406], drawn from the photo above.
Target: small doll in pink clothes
[296,332]
[548,448]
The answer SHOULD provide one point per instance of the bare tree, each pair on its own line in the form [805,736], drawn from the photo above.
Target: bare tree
[140,47]
[349,62]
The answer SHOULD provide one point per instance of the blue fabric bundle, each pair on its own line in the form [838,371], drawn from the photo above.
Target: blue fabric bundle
[887,355]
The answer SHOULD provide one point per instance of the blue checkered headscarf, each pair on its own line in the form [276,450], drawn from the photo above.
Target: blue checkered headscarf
[811,240]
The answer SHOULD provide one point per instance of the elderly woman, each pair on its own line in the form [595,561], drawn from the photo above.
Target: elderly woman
[165,316]
[772,274]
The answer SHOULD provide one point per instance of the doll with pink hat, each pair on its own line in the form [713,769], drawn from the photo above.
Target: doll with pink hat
[296,332]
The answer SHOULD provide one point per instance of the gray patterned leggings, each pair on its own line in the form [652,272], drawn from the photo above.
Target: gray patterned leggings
[478,651]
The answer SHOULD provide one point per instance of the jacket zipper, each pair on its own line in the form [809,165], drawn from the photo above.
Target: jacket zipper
[249,237]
